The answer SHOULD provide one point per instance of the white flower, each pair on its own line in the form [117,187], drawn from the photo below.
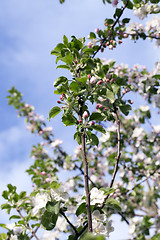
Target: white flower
[132,226]
[156,128]
[68,165]
[97,196]
[93,80]
[17,230]
[138,133]
[61,224]
[143,11]
[10,226]
[48,235]
[13,237]
[39,201]
[104,137]
[156,100]
[59,194]
[47,129]
[55,143]
[144,108]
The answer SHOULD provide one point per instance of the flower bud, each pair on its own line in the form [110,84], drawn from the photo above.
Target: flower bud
[85,114]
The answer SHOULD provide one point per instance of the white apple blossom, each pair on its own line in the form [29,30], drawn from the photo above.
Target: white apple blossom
[144,108]
[97,196]
[13,237]
[39,201]
[143,11]
[61,224]
[59,194]
[49,235]
[55,143]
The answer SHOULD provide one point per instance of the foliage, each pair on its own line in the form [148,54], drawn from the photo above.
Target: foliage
[117,160]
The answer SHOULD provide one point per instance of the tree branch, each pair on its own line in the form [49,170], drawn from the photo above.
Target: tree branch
[85,163]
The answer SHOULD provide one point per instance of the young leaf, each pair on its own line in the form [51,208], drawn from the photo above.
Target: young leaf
[68,119]
[77,137]
[113,203]
[96,116]
[99,128]
[60,80]
[81,209]
[92,139]
[54,111]
[48,220]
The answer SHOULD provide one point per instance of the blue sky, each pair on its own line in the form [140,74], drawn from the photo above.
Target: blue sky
[29,30]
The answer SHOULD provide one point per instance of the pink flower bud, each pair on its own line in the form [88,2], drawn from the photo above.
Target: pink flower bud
[99,106]
[93,80]
[89,76]
[42,173]
[130,101]
[114,3]
[125,35]
[90,44]
[100,82]
[96,30]
[85,114]
[76,61]
[120,41]
[110,47]
[123,92]
[58,101]
[80,121]
[92,123]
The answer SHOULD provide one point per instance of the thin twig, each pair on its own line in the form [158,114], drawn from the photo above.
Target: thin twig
[27,225]
[85,163]
[114,24]
[118,154]
[73,227]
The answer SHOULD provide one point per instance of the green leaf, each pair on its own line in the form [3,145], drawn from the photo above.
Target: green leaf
[82,80]
[5,206]
[157,237]
[98,128]
[74,86]
[14,217]
[92,35]
[48,220]
[92,139]
[115,88]
[91,236]
[130,5]
[125,109]
[68,119]
[3,236]
[54,111]
[65,40]
[22,194]
[53,206]
[58,48]
[5,194]
[96,116]
[125,20]
[108,191]
[77,137]
[60,80]
[110,96]
[113,203]
[3,225]
[67,58]
[81,209]
[63,66]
